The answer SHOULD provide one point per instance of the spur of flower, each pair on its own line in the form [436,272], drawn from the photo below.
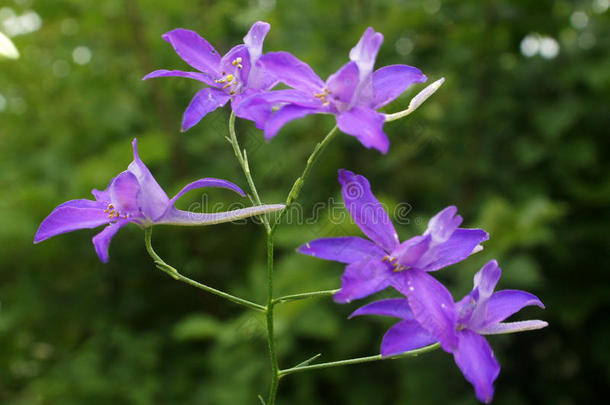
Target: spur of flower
[382,261]
[430,315]
[232,77]
[135,196]
[353,94]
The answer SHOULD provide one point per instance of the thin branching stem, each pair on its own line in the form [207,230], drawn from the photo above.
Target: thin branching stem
[171,271]
[368,359]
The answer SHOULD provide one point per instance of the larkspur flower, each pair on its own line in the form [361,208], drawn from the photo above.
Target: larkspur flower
[232,77]
[373,265]
[135,196]
[430,315]
[353,94]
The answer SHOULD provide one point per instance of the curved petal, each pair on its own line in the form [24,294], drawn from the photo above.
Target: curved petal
[410,251]
[513,327]
[366,210]
[486,279]
[201,183]
[431,303]
[405,336]
[363,279]
[394,307]
[254,39]
[365,51]
[70,216]
[152,200]
[442,225]
[84,203]
[348,249]
[202,77]
[102,240]
[477,362]
[288,69]
[207,182]
[366,125]
[241,70]
[124,190]
[187,218]
[462,243]
[194,50]
[343,83]
[205,101]
[391,81]
[283,116]
[505,303]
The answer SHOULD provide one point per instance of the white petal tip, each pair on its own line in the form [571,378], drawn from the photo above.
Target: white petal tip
[7,48]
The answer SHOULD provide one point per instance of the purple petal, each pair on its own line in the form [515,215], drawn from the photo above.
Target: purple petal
[102,240]
[283,116]
[513,327]
[486,279]
[365,51]
[187,218]
[462,243]
[391,81]
[410,251]
[290,70]
[477,362]
[431,303]
[152,199]
[442,225]
[405,336]
[83,203]
[363,279]
[349,249]
[366,210]
[194,50]
[394,307]
[205,101]
[124,190]
[229,64]
[70,216]
[254,39]
[505,303]
[366,125]
[201,183]
[202,77]
[343,83]
[102,197]
[208,182]
[258,108]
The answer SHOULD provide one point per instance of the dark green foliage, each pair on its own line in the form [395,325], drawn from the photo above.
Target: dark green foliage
[518,143]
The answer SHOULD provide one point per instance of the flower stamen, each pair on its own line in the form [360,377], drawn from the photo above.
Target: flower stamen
[322,96]
[394,262]
[237,62]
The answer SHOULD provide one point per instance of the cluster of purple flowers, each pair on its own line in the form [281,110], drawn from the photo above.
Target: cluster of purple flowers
[428,312]
[245,76]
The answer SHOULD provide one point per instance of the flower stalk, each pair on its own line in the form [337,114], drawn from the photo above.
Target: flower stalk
[175,274]
[358,360]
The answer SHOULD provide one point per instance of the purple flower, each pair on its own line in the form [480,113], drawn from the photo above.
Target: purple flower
[430,315]
[373,265]
[234,76]
[352,94]
[135,196]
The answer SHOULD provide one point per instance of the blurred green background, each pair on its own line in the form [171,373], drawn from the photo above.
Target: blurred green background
[517,138]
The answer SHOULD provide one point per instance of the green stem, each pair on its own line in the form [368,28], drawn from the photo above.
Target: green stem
[298,184]
[275,376]
[302,296]
[161,265]
[242,158]
[411,353]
